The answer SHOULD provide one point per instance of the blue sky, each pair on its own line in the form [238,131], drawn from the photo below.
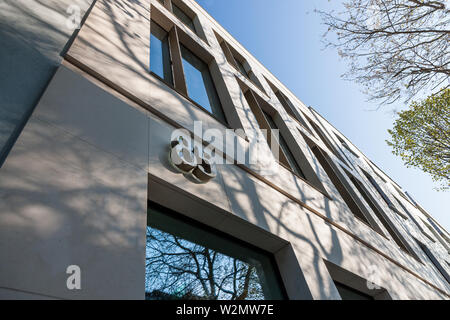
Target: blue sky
[286,36]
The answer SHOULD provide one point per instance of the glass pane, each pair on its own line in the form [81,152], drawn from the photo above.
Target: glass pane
[184,261]
[285,148]
[199,83]
[348,293]
[183,17]
[159,53]
[241,67]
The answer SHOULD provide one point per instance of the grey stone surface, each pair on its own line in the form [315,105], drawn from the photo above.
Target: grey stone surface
[33,33]
[68,198]
[13,294]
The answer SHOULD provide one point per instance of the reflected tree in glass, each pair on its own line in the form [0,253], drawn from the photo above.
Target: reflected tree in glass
[180,269]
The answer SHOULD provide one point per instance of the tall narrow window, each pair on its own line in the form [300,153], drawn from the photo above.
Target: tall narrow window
[433,260]
[160,63]
[288,106]
[401,193]
[282,152]
[410,216]
[441,233]
[284,147]
[346,146]
[379,190]
[433,232]
[348,293]
[200,85]
[381,216]
[326,141]
[384,196]
[337,179]
[373,166]
[180,14]
[241,67]
[187,261]
[438,229]
[247,71]
[238,62]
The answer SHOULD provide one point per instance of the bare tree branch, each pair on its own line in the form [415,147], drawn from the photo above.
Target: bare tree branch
[395,48]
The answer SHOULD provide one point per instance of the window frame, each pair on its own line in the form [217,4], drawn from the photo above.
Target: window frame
[284,147]
[392,229]
[178,38]
[260,115]
[355,282]
[346,145]
[288,106]
[183,16]
[168,57]
[344,189]
[239,63]
[195,25]
[434,261]
[210,89]
[327,142]
[341,286]
[224,237]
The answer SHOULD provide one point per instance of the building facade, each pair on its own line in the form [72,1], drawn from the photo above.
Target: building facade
[107,167]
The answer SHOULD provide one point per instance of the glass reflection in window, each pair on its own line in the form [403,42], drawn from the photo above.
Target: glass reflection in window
[160,62]
[187,262]
[200,85]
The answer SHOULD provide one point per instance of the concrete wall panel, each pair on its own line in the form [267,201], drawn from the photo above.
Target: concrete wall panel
[71,197]
[33,33]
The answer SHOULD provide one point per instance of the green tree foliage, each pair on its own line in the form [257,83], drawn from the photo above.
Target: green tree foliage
[421,136]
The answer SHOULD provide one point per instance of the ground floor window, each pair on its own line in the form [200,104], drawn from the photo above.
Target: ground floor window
[348,293]
[187,261]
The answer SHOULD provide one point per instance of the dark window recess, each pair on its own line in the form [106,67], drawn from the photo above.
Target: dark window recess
[348,293]
[433,260]
[285,147]
[346,146]
[413,219]
[238,62]
[436,227]
[183,17]
[401,193]
[290,109]
[411,198]
[383,195]
[199,83]
[373,166]
[430,228]
[160,62]
[378,212]
[248,73]
[326,141]
[288,106]
[332,173]
[187,261]
[379,190]
[241,68]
